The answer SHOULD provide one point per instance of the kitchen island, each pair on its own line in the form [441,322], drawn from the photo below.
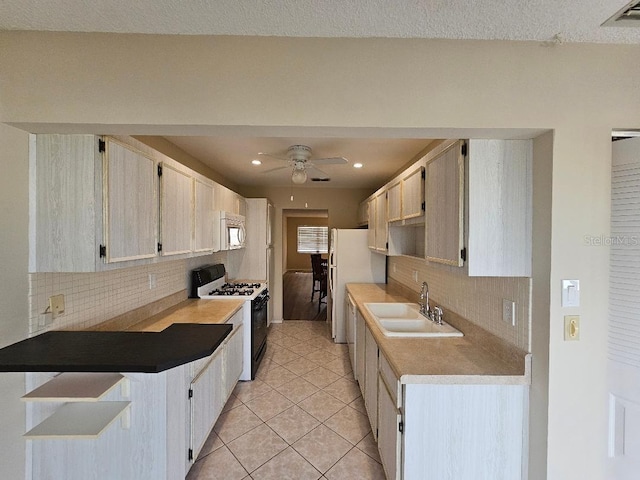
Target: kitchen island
[128,404]
[448,408]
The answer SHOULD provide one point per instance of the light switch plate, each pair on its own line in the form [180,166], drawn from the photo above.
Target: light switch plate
[570,293]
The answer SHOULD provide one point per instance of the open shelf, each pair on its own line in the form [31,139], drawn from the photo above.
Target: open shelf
[75,387]
[80,420]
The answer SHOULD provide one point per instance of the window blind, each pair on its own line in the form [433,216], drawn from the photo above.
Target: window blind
[312,239]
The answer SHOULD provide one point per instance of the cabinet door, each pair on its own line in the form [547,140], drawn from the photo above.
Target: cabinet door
[176,207]
[445,206]
[206,400]
[203,216]
[371,231]
[394,202]
[359,347]
[131,222]
[363,213]
[233,359]
[371,380]
[389,436]
[381,222]
[413,194]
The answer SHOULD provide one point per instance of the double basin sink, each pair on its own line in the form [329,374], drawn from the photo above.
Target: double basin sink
[405,320]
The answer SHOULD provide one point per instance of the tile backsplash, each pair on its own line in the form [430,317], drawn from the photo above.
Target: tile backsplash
[477,299]
[92,298]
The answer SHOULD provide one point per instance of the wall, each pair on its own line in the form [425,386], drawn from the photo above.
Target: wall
[14,256]
[383,87]
[299,261]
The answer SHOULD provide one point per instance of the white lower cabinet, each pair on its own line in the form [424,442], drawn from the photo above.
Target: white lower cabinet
[359,348]
[214,379]
[389,435]
[168,419]
[371,380]
[442,431]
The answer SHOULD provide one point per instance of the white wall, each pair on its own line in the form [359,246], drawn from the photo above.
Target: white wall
[14,314]
[178,85]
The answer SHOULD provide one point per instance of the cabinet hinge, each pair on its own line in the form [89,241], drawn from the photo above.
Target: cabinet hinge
[387,245]
[103,251]
[102,145]
[423,173]
[463,149]
[159,170]
[401,427]
[190,455]
[463,254]
[159,247]
[423,206]
[190,393]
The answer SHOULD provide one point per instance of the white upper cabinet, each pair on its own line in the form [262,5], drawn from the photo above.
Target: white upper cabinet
[93,203]
[131,224]
[229,201]
[176,210]
[203,218]
[499,205]
[413,193]
[363,213]
[371,230]
[394,202]
[105,203]
[478,207]
[381,226]
[445,206]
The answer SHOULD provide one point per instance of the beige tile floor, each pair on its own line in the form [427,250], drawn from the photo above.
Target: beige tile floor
[302,418]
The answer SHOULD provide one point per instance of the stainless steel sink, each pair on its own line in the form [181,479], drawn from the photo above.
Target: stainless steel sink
[405,320]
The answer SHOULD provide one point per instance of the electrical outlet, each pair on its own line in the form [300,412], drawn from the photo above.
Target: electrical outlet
[415,276]
[56,305]
[509,312]
[152,281]
[572,327]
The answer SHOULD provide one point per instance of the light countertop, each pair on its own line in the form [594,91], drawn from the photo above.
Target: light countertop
[190,311]
[476,358]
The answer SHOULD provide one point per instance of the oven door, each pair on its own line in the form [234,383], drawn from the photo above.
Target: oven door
[258,332]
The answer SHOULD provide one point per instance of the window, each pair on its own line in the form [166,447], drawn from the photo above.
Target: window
[312,239]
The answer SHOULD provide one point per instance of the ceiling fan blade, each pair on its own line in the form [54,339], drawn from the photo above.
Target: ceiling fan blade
[275,169]
[330,161]
[273,156]
[313,170]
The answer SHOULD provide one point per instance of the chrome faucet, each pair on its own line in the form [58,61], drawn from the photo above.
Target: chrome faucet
[424,300]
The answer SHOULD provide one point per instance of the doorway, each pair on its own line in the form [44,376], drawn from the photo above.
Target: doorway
[304,291]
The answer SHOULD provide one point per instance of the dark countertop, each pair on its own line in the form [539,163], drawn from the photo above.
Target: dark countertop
[84,351]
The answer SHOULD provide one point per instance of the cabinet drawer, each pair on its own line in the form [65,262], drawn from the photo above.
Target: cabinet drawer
[389,377]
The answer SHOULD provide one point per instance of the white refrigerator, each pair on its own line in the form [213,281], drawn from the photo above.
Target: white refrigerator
[350,261]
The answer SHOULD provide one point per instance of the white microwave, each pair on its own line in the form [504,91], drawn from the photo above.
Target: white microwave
[229,231]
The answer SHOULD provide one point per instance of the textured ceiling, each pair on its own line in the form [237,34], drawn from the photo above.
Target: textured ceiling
[537,20]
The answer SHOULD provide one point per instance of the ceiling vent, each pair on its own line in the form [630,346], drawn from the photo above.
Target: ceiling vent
[628,16]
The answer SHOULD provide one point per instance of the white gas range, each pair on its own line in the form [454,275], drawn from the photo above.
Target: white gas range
[208,283]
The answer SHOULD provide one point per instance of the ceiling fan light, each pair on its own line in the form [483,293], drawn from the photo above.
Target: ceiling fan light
[299,176]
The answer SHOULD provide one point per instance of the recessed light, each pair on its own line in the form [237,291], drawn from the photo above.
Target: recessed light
[357,165]
[256,162]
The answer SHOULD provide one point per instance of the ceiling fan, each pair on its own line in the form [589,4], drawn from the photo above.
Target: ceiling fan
[299,160]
